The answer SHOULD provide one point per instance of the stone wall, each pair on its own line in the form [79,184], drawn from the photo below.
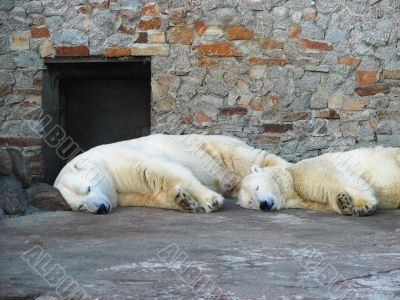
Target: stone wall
[296,77]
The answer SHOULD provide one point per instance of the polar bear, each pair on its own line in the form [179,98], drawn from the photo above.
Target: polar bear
[354,182]
[182,172]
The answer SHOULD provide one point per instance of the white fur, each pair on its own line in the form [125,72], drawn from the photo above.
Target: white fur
[159,169]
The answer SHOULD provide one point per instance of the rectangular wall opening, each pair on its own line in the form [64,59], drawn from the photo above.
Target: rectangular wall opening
[87,103]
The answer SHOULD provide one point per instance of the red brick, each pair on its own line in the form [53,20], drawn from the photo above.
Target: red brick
[127,30]
[316,45]
[20,141]
[218,49]
[5,89]
[277,128]
[267,43]
[372,89]
[142,38]
[35,158]
[182,35]
[150,9]
[154,23]
[391,74]
[233,110]
[296,116]
[207,62]
[366,77]
[277,61]
[200,27]
[239,33]
[326,114]
[118,52]
[202,117]
[294,31]
[36,170]
[40,32]
[268,61]
[187,120]
[72,51]
[349,60]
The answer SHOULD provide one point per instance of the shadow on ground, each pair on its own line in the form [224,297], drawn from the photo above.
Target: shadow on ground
[142,253]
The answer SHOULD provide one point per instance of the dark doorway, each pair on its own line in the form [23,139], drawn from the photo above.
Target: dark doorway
[92,102]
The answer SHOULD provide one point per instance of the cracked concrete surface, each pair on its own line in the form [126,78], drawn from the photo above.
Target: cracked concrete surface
[142,253]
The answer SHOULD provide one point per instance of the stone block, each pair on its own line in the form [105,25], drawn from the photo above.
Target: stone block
[68,36]
[13,199]
[20,41]
[156,37]
[212,33]
[5,163]
[29,59]
[391,74]
[150,50]
[46,197]
[257,71]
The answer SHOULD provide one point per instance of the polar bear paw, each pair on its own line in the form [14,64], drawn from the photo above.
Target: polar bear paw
[347,207]
[211,202]
[185,201]
[344,203]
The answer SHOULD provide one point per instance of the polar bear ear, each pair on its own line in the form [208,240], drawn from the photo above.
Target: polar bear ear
[255,169]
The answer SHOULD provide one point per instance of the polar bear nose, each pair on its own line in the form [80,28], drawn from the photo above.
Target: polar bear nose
[266,205]
[103,209]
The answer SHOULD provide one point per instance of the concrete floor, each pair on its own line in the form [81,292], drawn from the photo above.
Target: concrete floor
[141,253]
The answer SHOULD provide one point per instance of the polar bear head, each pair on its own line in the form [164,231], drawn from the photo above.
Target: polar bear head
[260,190]
[87,187]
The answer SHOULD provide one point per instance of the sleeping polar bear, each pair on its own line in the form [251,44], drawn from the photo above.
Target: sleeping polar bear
[182,172]
[354,182]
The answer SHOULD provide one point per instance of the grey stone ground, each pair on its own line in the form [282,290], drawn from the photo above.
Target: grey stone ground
[246,254]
